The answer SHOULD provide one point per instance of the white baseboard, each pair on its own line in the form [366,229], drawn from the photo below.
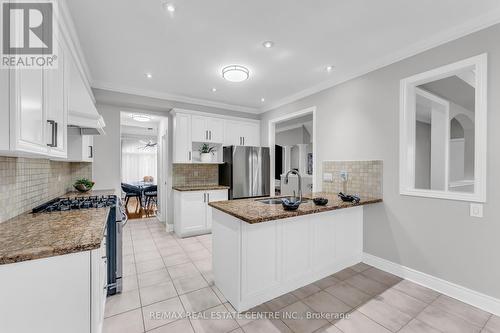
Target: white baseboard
[474,298]
[170,227]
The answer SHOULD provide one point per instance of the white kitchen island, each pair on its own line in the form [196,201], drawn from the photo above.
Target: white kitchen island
[261,252]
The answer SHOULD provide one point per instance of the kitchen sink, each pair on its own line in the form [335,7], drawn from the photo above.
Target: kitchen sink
[277,201]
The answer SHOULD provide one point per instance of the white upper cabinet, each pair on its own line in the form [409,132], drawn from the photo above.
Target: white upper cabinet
[215,127]
[37,110]
[207,129]
[57,105]
[182,148]
[27,111]
[192,129]
[80,147]
[242,133]
[251,134]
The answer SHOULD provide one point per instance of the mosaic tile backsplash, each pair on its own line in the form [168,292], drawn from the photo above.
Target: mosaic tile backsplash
[363,177]
[26,183]
[195,174]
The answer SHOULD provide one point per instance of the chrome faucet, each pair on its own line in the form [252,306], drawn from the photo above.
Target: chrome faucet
[295,172]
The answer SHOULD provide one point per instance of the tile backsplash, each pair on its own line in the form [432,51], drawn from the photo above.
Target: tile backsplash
[195,174]
[363,177]
[27,182]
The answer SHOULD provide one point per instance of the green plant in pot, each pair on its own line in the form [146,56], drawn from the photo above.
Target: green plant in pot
[206,153]
[83,185]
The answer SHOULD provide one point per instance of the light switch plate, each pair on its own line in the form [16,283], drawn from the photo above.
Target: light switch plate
[476,210]
[328,177]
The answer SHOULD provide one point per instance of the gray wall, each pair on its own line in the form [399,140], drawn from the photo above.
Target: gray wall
[422,155]
[292,137]
[434,236]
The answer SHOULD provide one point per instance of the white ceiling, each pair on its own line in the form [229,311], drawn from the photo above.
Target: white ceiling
[124,39]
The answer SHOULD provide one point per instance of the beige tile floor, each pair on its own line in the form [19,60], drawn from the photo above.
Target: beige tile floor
[167,278]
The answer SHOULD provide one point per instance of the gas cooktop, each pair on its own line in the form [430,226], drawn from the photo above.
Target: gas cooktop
[72,203]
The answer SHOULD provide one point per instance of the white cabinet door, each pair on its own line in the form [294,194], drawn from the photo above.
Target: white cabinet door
[218,195]
[233,135]
[182,139]
[193,212]
[199,131]
[27,111]
[215,128]
[87,148]
[251,134]
[56,105]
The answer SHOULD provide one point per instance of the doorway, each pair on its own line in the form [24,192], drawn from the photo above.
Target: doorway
[143,164]
[292,143]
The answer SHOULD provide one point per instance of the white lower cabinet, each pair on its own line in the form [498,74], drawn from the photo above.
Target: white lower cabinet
[59,294]
[254,263]
[192,214]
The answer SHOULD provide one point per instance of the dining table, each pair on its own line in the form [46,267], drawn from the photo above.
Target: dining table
[142,185]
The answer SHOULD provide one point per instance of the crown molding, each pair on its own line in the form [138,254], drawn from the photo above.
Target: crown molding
[467,28]
[172,97]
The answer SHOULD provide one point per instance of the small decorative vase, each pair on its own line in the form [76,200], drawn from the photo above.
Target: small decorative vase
[81,188]
[206,157]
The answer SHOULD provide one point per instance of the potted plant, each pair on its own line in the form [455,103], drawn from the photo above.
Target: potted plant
[206,153]
[83,185]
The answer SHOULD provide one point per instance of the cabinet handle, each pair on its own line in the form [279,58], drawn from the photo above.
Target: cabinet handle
[204,197]
[243,141]
[210,132]
[53,125]
[91,152]
[208,197]
[189,154]
[206,135]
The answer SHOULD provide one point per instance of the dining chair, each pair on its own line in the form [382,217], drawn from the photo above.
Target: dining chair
[132,191]
[151,194]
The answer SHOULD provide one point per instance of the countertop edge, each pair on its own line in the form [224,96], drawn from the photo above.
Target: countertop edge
[200,188]
[292,213]
[5,260]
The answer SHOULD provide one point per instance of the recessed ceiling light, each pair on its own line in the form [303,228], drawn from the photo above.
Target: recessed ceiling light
[268,44]
[262,99]
[214,89]
[149,75]
[235,73]
[169,6]
[329,68]
[141,117]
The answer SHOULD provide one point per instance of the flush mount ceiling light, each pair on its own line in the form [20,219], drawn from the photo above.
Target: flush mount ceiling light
[235,73]
[329,68]
[262,99]
[268,44]
[149,75]
[141,117]
[214,89]
[168,6]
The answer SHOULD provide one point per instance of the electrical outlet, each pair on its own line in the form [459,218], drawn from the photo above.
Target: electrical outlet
[476,210]
[328,177]
[344,175]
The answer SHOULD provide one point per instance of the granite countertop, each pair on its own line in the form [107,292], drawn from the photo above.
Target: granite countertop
[200,187]
[252,211]
[42,235]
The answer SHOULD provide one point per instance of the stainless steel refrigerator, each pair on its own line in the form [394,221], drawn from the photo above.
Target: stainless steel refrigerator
[246,170]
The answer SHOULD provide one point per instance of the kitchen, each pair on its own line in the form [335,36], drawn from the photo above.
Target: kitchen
[299,185]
